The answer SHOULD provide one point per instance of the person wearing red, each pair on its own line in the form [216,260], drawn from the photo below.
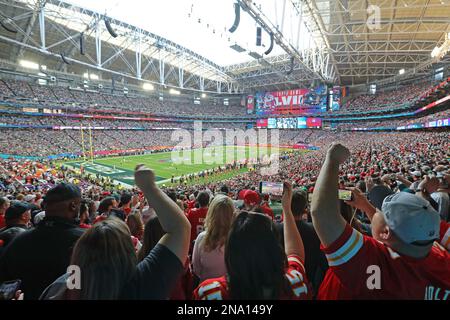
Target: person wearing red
[4,204]
[401,261]
[191,202]
[84,216]
[152,235]
[196,216]
[265,207]
[444,234]
[257,266]
[125,203]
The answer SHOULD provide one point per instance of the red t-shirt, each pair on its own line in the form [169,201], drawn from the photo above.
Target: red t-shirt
[191,204]
[445,235]
[217,289]
[357,261]
[267,210]
[197,217]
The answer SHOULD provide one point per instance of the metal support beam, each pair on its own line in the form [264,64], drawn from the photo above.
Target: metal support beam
[98,44]
[139,54]
[42,27]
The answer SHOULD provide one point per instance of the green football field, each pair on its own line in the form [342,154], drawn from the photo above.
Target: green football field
[175,163]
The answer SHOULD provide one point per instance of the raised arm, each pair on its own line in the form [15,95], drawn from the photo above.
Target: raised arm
[327,220]
[172,219]
[293,242]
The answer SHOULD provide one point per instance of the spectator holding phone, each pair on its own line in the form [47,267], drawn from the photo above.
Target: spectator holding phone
[257,266]
[400,262]
[316,264]
[108,263]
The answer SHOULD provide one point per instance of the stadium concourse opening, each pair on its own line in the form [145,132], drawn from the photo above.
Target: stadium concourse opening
[227,150]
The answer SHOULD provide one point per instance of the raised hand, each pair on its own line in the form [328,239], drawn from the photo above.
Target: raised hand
[429,184]
[338,152]
[369,183]
[286,199]
[144,177]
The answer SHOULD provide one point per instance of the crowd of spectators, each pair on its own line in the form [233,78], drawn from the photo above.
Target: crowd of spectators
[387,99]
[222,240]
[79,99]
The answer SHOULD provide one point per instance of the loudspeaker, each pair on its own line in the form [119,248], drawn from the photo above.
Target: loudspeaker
[5,26]
[109,28]
[271,44]
[237,17]
[258,36]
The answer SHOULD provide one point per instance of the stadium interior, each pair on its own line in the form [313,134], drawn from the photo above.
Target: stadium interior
[127,125]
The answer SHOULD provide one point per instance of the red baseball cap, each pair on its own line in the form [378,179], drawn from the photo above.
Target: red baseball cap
[251,197]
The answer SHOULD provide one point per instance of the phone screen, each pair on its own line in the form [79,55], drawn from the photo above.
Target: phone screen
[345,195]
[272,188]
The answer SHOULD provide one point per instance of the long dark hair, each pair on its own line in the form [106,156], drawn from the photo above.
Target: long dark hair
[106,257]
[254,258]
[104,204]
[153,232]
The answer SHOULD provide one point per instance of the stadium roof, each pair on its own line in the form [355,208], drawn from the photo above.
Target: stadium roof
[186,44]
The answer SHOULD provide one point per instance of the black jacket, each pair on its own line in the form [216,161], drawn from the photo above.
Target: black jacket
[316,264]
[7,234]
[39,256]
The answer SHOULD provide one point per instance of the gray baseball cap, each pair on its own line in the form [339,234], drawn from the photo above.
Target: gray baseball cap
[411,218]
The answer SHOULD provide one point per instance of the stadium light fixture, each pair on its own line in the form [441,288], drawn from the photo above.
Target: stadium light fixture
[173,91]
[148,86]
[203,95]
[94,76]
[401,71]
[29,64]
[435,52]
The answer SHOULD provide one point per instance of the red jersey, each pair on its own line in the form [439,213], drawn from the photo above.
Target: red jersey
[217,289]
[357,261]
[191,204]
[444,235]
[197,217]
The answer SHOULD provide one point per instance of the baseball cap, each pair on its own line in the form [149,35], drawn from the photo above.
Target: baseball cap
[16,210]
[416,173]
[251,197]
[62,192]
[411,218]
[29,197]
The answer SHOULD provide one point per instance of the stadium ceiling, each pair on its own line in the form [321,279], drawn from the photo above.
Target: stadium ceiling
[371,40]
[346,42]
[363,41]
